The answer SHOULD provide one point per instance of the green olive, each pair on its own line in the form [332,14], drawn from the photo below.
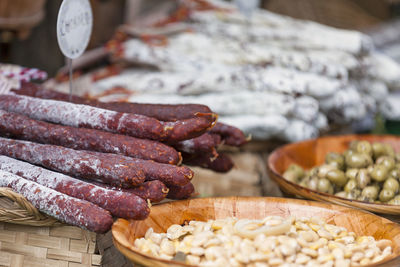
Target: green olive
[389,151]
[395,200]
[351,185]
[337,165]
[313,171]
[331,190]
[364,147]
[351,173]
[379,173]
[353,145]
[324,169]
[335,159]
[358,160]
[313,183]
[293,173]
[377,186]
[391,184]
[395,173]
[378,150]
[295,167]
[347,153]
[363,178]
[304,183]
[370,193]
[337,177]
[386,161]
[397,157]
[342,194]
[354,194]
[370,168]
[324,185]
[386,195]
[291,176]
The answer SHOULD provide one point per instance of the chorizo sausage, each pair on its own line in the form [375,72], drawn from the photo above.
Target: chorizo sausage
[155,191]
[221,163]
[203,144]
[112,169]
[181,192]
[166,173]
[121,204]
[95,118]
[67,209]
[162,112]
[231,136]
[22,127]
[35,90]
[86,164]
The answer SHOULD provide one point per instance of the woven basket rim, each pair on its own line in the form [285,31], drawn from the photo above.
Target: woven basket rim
[23,212]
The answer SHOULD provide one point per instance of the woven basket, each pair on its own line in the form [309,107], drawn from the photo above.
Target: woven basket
[29,238]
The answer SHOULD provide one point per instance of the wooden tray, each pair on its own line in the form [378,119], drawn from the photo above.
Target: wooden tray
[163,215]
[311,153]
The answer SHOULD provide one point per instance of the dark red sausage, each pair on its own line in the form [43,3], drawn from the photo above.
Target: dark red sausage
[180,192]
[166,173]
[121,204]
[205,143]
[230,135]
[95,118]
[67,209]
[155,191]
[35,90]
[109,168]
[217,139]
[163,112]
[221,163]
[112,169]
[22,127]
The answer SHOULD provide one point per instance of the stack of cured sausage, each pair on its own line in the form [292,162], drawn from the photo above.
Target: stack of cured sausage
[83,161]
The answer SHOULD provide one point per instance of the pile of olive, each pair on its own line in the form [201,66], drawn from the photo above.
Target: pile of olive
[366,172]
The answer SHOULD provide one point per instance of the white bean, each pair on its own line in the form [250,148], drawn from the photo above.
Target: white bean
[357,256]
[338,254]
[307,242]
[167,247]
[342,263]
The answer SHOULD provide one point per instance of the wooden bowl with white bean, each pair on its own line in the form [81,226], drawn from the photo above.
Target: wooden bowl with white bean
[258,231]
[366,191]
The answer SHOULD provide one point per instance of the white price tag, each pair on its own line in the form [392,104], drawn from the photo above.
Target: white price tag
[74,27]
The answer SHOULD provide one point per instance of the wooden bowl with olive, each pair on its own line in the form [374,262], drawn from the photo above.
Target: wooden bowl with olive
[361,171]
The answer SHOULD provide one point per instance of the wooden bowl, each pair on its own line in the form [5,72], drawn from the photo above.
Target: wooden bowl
[311,153]
[164,215]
